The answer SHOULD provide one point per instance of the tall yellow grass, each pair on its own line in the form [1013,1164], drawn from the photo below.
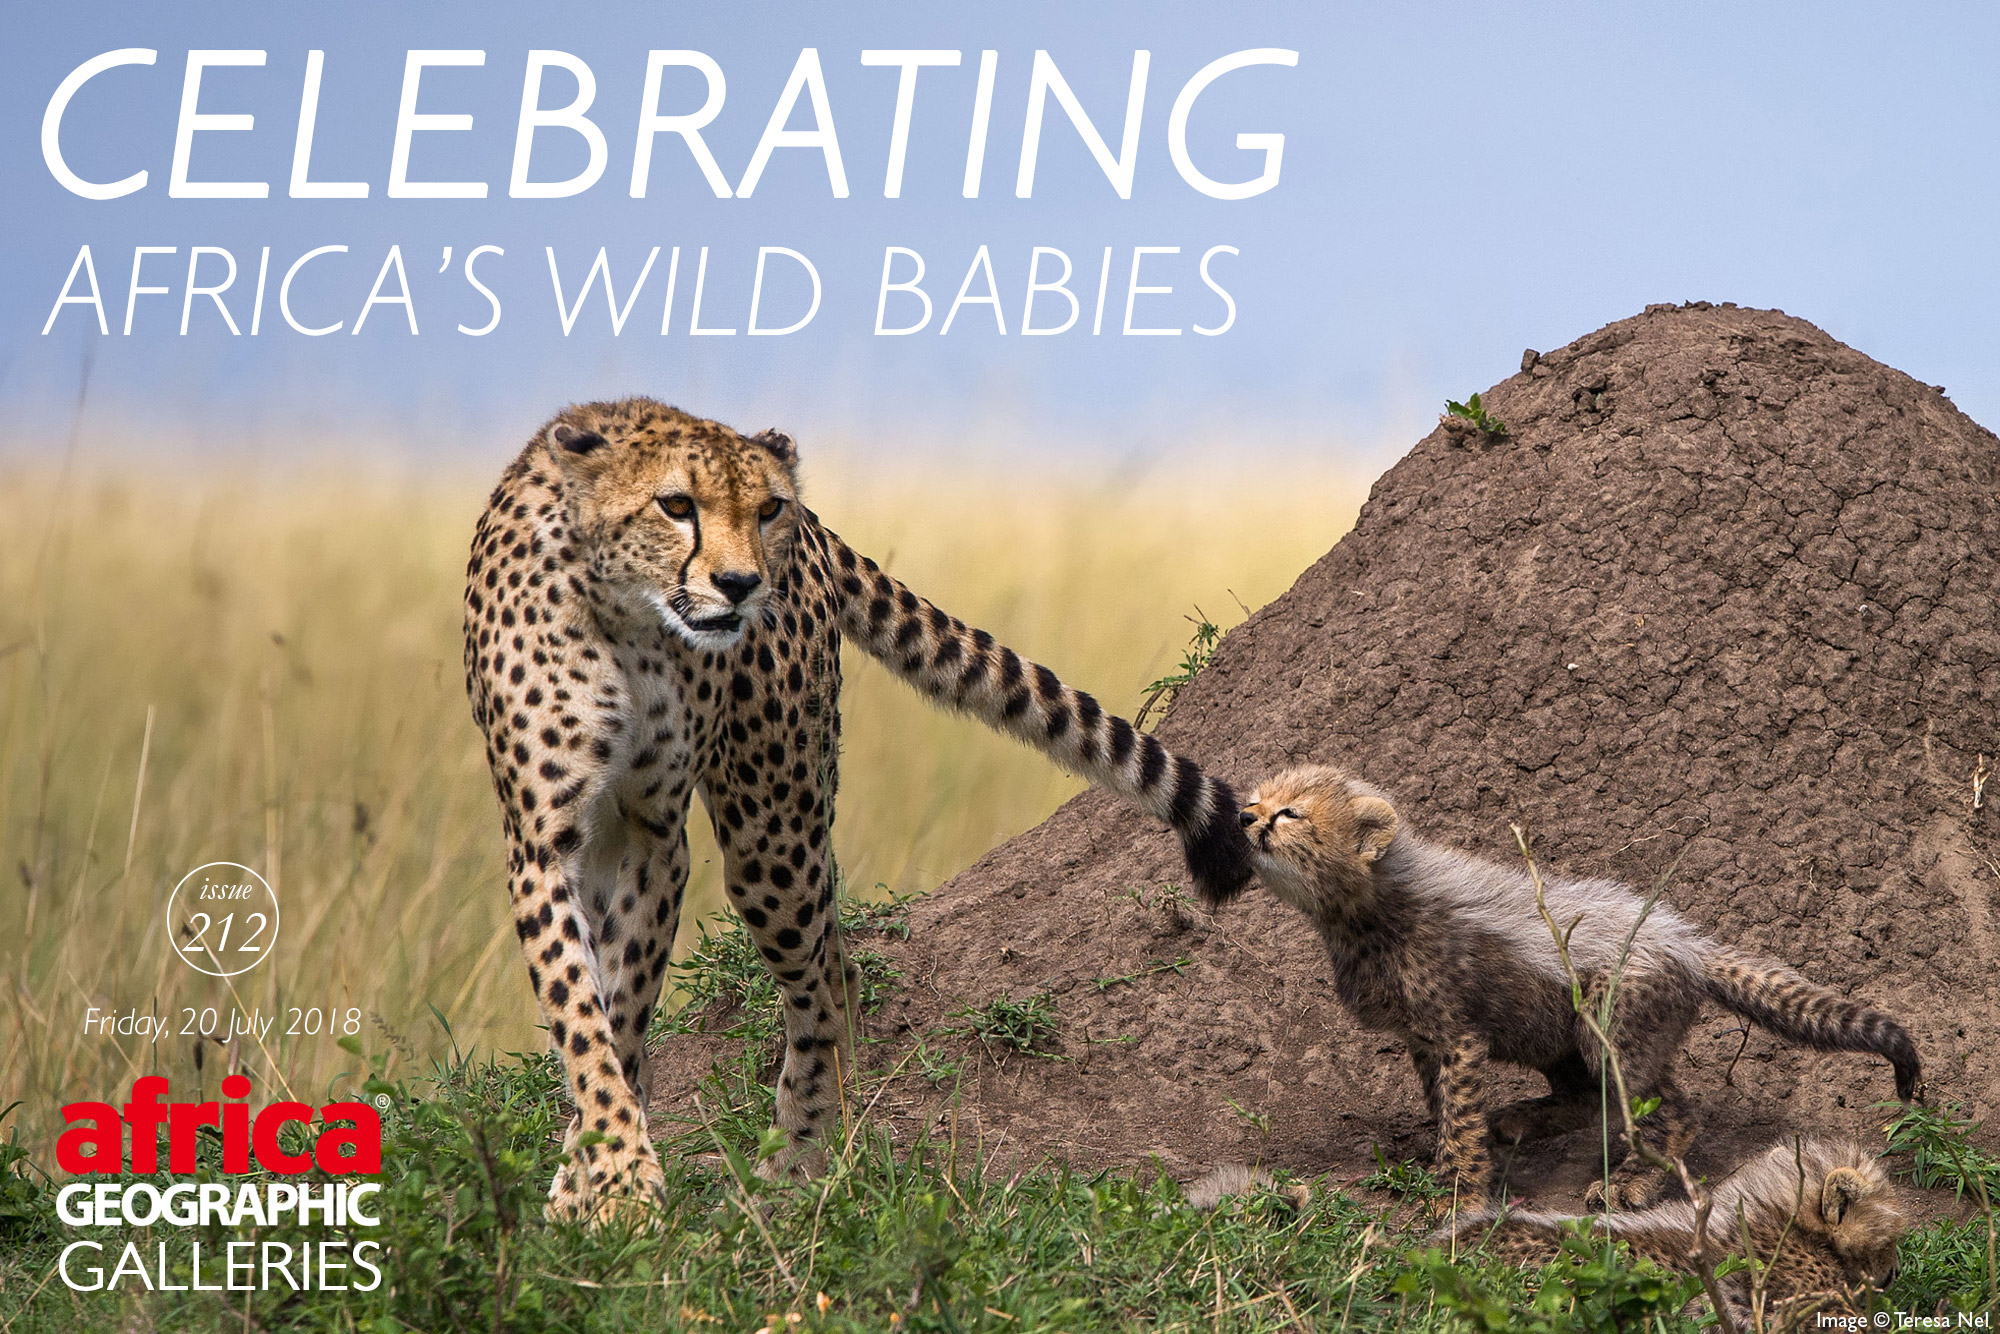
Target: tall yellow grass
[267,672]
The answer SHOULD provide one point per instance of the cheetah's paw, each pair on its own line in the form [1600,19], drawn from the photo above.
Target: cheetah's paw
[626,1193]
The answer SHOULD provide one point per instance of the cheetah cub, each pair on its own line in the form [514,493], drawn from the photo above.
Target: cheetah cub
[1451,954]
[1821,1216]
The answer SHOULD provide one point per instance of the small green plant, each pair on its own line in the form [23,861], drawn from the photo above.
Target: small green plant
[1172,903]
[861,919]
[1411,1180]
[23,1188]
[1201,647]
[935,1066]
[1018,1025]
[1104,984]
[886,916]
[1257,1121]
[1473,411]
[1939,1142]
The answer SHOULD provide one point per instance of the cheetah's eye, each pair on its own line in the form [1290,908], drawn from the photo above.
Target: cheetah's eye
[1286,814]
[678,506]
[770,508]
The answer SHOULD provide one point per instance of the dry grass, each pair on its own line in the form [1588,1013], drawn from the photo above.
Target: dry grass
[296,646]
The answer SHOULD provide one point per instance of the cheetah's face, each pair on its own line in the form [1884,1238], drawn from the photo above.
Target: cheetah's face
[686,520]
[1315,836]
[1863,1222]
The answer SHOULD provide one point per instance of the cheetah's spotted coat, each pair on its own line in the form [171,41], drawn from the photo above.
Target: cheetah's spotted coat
[650,613]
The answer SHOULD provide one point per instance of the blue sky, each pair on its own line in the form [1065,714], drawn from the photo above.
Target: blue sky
[1459,182]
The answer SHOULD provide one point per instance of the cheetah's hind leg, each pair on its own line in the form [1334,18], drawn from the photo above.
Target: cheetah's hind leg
[1649,1023]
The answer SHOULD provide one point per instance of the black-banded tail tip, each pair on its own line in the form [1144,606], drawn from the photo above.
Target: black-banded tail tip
[1218,853]
[1893,1041]
[1909,1078]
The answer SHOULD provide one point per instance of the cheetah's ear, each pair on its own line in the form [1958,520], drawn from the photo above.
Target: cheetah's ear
[1844,1186]
[581,453]
[575,439]
[781,445]
[1375,822]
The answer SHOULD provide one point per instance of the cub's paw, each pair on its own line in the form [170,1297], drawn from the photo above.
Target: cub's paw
[1626,1190]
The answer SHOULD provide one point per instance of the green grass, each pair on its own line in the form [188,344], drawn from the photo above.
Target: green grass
[916,1236]
[1409,1179]
[1942,1154]
[1956,1265]
[1025,1025]
[1200,648]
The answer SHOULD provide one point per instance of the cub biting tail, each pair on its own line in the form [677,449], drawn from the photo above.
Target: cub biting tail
[1453,954]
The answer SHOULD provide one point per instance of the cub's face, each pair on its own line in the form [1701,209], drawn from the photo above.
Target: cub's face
[684,519]
[1863,1222]
[1315,836]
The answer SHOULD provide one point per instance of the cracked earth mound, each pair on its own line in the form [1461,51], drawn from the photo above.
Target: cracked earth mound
[1725,601]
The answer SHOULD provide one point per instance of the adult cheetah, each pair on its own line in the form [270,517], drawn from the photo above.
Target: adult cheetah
[650,613]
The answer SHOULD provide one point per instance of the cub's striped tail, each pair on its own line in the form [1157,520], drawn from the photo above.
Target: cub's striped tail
[962,668]
[1799,1011]
[1663,1232]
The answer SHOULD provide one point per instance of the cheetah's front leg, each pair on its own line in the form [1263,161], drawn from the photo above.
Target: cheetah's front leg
[633,906]
[1461,1149]
[618,1169]
[636,935]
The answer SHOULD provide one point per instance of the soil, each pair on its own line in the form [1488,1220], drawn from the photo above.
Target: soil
[1722,606]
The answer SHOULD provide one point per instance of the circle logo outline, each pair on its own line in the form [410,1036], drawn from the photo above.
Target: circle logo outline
[173,934]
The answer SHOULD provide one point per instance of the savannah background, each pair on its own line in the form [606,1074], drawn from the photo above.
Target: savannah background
[265,669]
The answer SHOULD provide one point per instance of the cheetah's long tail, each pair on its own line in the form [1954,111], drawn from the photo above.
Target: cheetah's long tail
[965,669]
[1799,1011]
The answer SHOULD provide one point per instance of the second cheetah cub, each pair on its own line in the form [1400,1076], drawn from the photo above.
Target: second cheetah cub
[1821,1217]
[1451,954]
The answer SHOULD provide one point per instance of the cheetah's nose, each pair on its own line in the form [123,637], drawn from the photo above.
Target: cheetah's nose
[1249,818]
[736,584]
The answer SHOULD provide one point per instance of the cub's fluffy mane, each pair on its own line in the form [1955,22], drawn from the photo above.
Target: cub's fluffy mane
[1499,900]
